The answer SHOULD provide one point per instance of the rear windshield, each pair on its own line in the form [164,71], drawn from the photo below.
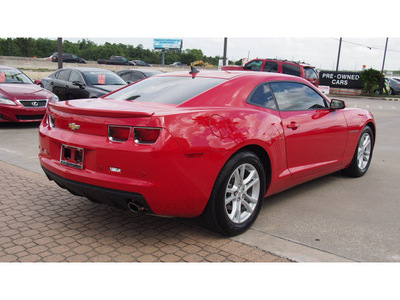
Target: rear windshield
[170,90]
[102,78]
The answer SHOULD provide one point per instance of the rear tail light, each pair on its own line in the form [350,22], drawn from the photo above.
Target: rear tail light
[119,133]
[146,135]
[51,121]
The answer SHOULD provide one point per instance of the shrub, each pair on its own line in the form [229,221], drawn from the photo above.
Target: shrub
[370,77]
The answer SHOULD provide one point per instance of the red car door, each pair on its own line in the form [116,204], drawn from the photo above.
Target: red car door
[315,135]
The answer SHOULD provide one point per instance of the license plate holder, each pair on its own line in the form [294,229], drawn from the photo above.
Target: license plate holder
[72,156]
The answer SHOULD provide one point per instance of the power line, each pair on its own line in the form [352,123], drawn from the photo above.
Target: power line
[366,46]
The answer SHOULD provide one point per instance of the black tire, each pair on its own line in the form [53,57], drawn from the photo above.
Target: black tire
[223,217]
[357,167]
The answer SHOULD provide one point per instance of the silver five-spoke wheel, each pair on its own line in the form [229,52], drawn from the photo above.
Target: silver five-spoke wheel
[237,196]
[242,193]
[364,151]
[363,154]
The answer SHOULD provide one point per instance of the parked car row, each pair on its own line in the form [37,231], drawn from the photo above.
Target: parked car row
[113,60]
[21,100]
[82,82]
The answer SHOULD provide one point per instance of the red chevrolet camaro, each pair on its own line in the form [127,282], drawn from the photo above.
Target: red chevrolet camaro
[210,143]
[20,99]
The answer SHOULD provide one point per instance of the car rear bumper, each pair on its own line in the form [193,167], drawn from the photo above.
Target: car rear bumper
[110,197]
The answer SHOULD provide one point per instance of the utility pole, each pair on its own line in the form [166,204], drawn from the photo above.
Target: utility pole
[225,49]
[60,53]
[384,55]
[338,57]
[382,82]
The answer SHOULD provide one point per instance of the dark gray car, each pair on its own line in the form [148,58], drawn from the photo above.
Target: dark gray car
[80,83]
[133,75]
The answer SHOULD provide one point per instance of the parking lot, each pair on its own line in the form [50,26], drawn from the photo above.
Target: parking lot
[333,218]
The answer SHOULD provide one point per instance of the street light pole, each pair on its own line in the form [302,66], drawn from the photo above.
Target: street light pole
[225,49]
[384,55]
[338,58]
[60,53]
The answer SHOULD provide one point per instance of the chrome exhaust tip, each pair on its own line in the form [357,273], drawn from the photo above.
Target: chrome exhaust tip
[135,207]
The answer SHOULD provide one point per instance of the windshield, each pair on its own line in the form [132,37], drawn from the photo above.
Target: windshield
[102,78]
[171,90]
[13,76]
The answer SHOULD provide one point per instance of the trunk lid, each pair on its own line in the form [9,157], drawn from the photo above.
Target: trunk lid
[93,116]
[100,107]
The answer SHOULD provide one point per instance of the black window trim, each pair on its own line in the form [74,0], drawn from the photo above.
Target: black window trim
[327,103]
[253,91]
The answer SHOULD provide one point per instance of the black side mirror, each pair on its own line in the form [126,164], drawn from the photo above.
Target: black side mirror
[337,104]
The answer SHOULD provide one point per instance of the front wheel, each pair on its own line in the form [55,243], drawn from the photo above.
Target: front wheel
[237,195]
[363,154]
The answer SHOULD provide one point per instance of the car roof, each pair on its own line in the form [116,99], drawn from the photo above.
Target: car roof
[144,71]
[85,69]
[303,64]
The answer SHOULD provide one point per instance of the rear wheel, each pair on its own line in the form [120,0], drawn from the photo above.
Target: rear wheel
[237,195]
[363,154]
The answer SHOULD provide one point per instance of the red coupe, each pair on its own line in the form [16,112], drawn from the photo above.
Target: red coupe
[20,99]
[211,143]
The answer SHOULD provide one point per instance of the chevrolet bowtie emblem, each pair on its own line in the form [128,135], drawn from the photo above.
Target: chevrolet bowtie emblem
[74,126]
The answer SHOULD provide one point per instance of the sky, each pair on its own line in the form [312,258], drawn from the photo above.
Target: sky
[319,52]
[307,30]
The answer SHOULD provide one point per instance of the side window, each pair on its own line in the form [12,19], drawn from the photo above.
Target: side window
[271,66]
[291,69]
[135,76]
[124,76]
[75,76]
[310,73]
[63,75]
[262,96]
[296,96]
[254,65]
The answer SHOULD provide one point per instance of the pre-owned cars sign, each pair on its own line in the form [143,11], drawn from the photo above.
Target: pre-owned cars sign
[349,80]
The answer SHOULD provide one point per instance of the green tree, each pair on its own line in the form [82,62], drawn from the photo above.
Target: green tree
[191,55]
[370,77]
[24,47]
[45,47]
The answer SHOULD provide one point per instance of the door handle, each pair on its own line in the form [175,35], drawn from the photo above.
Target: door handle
[293,125]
